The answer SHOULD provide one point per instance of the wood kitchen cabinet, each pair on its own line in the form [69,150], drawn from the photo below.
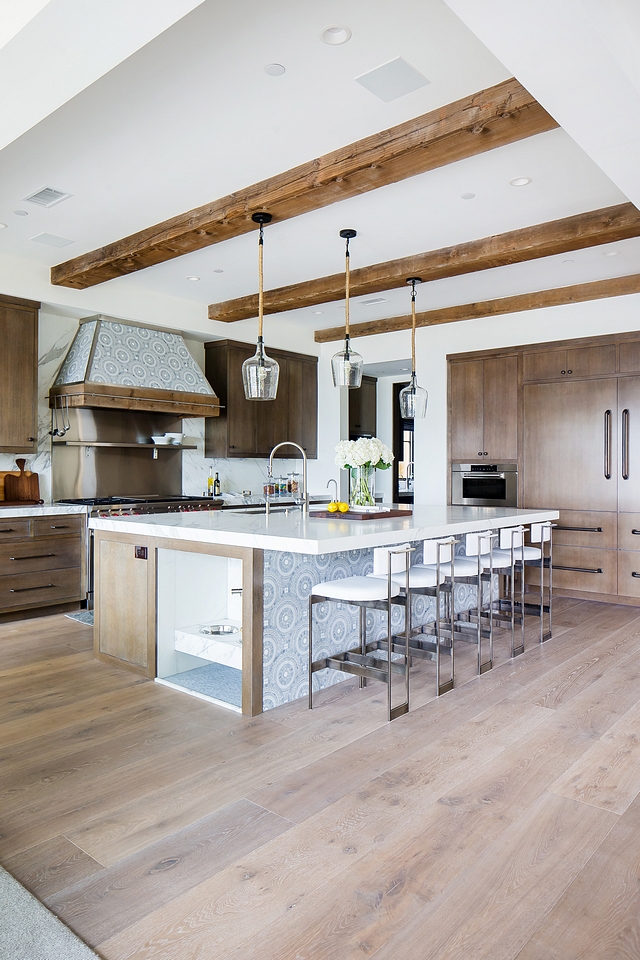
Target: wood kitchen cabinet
[250,428]
[18,375]
[41,562]
[363,409]
[483,404]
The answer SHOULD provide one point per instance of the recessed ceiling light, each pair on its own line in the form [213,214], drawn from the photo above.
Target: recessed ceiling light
[520,181]
[218,271]
[335,35]
[568,261]
[610,253]
[274,69]
[467,196]
[404,369]
[192,278]
[21,213]
[317,313]
[3,226]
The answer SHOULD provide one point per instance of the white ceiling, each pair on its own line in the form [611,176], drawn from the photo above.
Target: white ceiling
[189,115]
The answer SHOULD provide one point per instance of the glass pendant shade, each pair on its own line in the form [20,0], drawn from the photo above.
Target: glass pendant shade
[260,375]
[346,367]
[413,401]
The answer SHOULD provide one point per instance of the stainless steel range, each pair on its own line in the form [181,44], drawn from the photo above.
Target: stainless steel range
[133,507]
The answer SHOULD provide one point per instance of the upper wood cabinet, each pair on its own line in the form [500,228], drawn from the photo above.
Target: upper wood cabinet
[18,375]
[250,428]
[575,362]
[362,409]
[484,408]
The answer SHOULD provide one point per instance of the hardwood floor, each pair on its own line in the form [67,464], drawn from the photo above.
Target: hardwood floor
[501,821]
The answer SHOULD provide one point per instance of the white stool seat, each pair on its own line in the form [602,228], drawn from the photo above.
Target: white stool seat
[503,557]
[462,567]
[356,588]
[419,576]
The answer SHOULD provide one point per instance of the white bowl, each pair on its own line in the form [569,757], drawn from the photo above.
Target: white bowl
[161,441]
[175,437]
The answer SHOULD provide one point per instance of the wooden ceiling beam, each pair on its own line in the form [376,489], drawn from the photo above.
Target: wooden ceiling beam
[490,118]
[608,225]
[578,293]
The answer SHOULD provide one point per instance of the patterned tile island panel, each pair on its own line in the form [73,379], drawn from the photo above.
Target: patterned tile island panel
[288,579]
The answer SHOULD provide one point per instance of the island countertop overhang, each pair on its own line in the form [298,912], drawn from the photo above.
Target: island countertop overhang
[301,533]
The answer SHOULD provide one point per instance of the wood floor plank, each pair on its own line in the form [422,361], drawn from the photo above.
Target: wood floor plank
[608,774]
[480,913]
[599,914]
[119,896]
[51,866]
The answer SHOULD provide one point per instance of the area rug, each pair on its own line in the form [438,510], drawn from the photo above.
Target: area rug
[28,931]
[82,616]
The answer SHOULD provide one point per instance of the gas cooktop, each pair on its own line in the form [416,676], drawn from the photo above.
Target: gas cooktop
[114,501]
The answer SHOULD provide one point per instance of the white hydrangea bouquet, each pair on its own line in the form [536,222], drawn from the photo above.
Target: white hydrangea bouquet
[362,458]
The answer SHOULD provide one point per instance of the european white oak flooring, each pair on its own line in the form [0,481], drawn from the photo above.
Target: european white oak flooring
[499,821]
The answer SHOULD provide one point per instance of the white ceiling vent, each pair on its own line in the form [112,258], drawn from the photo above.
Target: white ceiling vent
[370,303]
[51,240]
[47,197]
[392,80]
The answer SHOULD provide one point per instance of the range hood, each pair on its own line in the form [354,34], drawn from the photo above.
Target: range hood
[118,365]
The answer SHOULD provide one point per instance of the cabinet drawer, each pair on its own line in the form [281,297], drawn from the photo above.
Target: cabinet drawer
[40,589]
[628,574]
[42,554]
[13,529]
[594,571]
[59,526]
[586,528]
[629,531]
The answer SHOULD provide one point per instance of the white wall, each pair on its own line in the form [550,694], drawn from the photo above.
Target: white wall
[565,322]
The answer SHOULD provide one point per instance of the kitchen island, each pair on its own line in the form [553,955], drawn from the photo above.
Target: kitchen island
[162,581]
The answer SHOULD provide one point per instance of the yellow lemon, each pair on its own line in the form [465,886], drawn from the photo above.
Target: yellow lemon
[332,507]
[343,507]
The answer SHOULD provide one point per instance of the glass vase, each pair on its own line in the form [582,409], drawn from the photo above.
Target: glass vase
[362,492]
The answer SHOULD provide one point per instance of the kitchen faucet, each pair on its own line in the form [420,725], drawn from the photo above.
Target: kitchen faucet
[290,443]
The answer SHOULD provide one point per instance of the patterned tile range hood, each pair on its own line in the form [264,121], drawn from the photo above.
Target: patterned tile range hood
[121,365]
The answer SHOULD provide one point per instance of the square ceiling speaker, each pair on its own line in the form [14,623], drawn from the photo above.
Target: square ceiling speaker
[392,80]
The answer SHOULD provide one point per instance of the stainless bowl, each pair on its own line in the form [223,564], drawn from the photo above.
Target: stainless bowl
[220,630]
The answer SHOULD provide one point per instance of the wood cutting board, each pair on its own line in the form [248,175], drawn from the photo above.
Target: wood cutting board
[22,487]
[356,515]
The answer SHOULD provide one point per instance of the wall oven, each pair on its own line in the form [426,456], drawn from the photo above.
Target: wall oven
[484,484]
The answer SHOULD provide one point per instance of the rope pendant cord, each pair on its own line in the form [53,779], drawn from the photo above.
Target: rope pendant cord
[260,281]
[347,280]
[413,329]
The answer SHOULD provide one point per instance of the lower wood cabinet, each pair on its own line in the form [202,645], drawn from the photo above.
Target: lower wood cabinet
[41,562]
[629,573]
[125,603]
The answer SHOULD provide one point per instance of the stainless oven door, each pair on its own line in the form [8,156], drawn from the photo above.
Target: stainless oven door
[496,489]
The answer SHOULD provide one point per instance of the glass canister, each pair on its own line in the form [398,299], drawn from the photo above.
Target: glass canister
[281,486]
[269,488]
[293,483]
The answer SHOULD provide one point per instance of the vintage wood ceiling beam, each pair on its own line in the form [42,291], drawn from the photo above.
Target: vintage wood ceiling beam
[487,119]
[578,293]
[608,225]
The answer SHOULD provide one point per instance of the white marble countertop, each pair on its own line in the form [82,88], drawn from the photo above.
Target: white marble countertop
[43,510]
[299,533]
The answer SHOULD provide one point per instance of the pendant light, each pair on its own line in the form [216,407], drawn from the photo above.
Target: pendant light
[413,399]
[346,366]
[260,373]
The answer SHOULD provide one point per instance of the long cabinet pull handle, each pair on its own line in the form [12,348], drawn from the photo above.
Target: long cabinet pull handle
[634,574]
[42,586]
[607,444]
[625,444]
[581,529]
[557,566]
[34,556]
[636,533]
[7,530]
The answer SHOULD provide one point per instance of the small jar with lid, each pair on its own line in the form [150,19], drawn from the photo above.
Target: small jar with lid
[293,484]
[281,486]
[269,488]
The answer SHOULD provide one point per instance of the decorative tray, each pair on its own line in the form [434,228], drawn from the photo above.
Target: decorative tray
[384,513]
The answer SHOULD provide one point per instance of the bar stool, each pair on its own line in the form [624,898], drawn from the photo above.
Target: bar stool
[434,578]
[505,558]
[366,593]
[525,555]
